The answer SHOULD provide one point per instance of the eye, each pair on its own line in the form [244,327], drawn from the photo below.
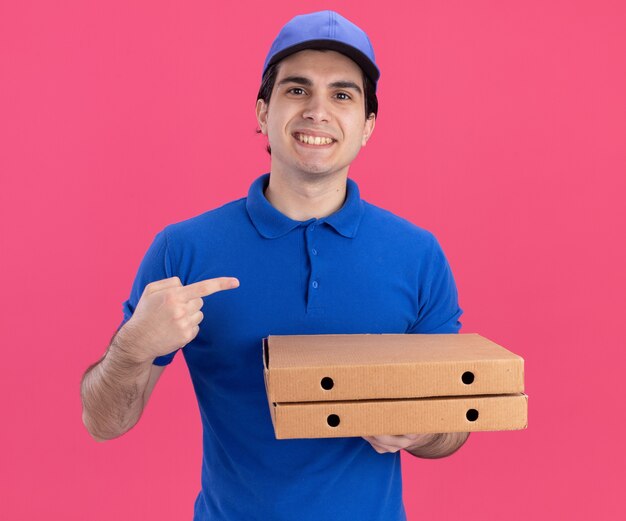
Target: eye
[347,96]
[293,89]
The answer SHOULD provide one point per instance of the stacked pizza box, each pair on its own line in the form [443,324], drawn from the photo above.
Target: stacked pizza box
[324,386]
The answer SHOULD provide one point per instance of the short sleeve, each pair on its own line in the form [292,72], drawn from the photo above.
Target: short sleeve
[439,310]
[155,265]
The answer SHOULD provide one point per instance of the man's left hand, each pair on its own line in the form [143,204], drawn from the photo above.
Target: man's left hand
[394,443]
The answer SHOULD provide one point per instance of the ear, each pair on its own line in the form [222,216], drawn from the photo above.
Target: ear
[370,123]
[261,115]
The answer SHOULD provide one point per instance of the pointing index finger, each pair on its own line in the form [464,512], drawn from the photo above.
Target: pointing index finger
[207,287]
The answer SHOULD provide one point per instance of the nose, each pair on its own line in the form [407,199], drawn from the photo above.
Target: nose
[316,109]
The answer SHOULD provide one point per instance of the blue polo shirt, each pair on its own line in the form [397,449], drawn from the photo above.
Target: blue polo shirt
[360,270]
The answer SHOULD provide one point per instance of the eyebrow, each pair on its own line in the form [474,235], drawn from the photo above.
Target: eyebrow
[306,82]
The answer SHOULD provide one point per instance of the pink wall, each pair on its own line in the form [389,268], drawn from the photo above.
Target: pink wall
[502,129]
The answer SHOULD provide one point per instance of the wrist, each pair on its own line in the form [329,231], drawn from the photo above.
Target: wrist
[441,445]
[426,440]
[126,349]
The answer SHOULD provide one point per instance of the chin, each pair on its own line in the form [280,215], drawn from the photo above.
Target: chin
[317,171]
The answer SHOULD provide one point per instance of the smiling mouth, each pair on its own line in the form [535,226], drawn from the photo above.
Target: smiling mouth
[313,140]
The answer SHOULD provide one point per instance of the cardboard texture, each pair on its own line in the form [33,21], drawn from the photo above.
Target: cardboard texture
[378,417]
[308,368]
[321,386]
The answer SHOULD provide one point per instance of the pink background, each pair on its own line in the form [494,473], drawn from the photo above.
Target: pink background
[502,129]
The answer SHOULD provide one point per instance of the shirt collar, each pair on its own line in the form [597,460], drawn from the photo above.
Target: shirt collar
[271,223]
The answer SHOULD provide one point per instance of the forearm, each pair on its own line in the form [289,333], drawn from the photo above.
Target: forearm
[112,391]
[440,445]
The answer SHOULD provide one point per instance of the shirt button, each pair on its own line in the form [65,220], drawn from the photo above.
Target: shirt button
[312,227]
[314,251]
[315,284]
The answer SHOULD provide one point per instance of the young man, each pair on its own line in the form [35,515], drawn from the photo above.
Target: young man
[307,256]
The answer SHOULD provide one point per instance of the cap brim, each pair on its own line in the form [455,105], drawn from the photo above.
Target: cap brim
[354,54]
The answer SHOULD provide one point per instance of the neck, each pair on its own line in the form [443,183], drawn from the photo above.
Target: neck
[304,199]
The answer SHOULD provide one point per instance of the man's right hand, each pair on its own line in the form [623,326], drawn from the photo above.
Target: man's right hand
[167,316]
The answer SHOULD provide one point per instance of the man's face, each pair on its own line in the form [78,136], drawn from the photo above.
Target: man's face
[317,98]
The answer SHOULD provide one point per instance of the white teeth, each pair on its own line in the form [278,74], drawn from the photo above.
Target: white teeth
[314,140]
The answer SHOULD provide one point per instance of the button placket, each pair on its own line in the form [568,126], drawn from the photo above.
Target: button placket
[314,284]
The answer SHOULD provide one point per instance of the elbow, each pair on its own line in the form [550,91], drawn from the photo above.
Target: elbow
[91,431]
[101,435]
[95,436]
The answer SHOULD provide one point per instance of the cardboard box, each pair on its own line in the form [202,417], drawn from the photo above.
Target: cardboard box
[362,385]
[411,416]
[310,368]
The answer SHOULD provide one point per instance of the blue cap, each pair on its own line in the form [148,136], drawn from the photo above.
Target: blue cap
[324,30]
